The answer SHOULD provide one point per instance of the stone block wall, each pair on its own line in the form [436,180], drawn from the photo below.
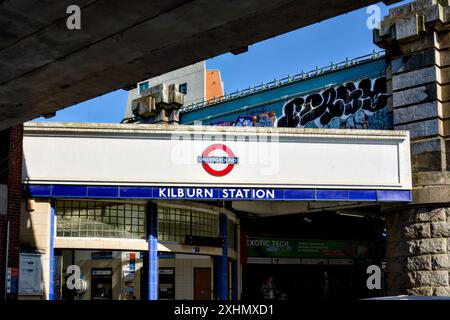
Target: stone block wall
[416,37]
[417,42]
[417,251]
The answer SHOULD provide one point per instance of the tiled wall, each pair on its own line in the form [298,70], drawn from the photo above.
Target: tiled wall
[184,272]
[35,233]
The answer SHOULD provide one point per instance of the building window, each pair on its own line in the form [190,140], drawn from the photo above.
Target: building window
[100,219]
[174,223]
[143,86]
[183,88]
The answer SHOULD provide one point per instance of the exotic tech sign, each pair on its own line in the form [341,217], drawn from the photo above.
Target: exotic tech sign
[288,248]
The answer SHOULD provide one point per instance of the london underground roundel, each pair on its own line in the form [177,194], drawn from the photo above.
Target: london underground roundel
[218,160]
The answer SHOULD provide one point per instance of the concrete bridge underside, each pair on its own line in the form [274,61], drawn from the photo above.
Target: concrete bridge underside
[45,67]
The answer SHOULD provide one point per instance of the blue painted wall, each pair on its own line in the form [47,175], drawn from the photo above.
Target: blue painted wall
[352,97]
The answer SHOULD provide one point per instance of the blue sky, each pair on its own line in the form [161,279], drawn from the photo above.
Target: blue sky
[303,49]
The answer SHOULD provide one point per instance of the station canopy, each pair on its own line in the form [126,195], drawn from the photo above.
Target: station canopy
[261,170]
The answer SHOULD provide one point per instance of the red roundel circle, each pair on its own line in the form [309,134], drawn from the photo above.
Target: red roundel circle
[211,170]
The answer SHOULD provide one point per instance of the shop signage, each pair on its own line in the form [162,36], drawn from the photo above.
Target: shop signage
[258,260]
[131,261]
[12,279]
[166,255]
[100,272]
[166,271]
[283,248]
[215,193]
[104,255]
[340,262]
[30,274]
[215,163]
[264,194]
[310,261]
[286,261]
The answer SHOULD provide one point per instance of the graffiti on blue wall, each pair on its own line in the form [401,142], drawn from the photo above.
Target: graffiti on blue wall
[252,119]
[354,105]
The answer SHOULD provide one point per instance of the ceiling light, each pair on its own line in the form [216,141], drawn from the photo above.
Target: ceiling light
[351,214]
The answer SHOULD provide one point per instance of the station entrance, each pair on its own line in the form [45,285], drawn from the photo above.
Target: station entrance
[200,202]
[191,242]
[317,255]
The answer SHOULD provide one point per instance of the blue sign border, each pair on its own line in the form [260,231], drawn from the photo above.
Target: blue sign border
[193,193]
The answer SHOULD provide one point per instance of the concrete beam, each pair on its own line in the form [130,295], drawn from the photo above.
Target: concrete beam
[45,67]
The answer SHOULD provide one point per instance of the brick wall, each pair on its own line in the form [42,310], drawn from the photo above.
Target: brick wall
[11,168]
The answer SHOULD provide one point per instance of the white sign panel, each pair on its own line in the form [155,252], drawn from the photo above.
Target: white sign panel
[340,261]
[185,156]
[286,261]
[314,261]
[30,274]
[258,260]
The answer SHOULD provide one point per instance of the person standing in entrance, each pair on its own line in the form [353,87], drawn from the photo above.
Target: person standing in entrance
[325,286]
[268,289]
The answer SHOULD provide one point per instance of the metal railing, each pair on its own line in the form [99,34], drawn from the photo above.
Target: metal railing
[289,79]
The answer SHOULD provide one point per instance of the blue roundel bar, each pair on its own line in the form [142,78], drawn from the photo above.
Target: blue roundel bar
[221,160]
[228,193]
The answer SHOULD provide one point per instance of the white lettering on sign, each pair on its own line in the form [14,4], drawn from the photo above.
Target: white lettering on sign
[171,193]
[199,193]
[248,193]
[267,243]
[208,193]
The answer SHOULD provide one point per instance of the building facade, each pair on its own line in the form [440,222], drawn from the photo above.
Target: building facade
[404,90]
[195,82]
[351,94]
[357,175]
[169,226]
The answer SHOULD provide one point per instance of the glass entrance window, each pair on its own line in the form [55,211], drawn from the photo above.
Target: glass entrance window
[174,223]
[100,219]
